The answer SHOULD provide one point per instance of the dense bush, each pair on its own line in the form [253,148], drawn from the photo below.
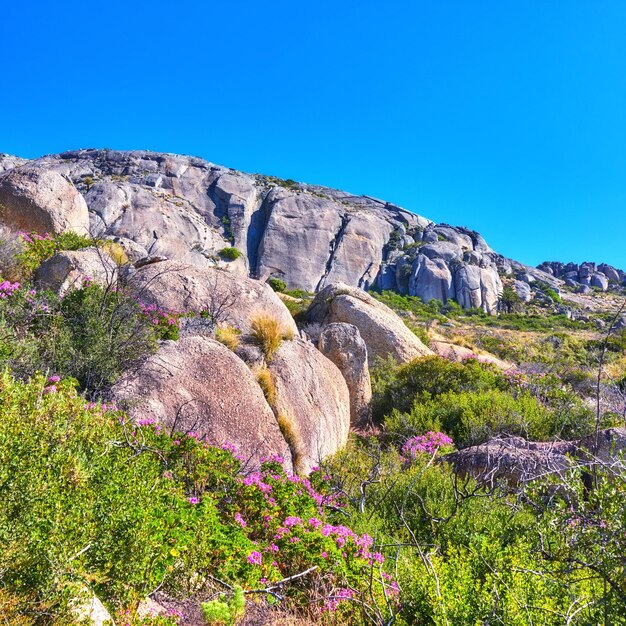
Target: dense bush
[277,284]
[467,556]
[400,387]
[229,254]
[92,334]
[89,497]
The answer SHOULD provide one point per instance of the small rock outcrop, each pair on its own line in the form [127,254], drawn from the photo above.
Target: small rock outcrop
[602,276]
[196,384]
[343,345]
[71,269]
[383,332]
[34,198]
[511,459]
[312,403]
[456,353]
[227,298]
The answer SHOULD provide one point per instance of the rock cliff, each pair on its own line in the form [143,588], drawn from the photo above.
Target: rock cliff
[187,210]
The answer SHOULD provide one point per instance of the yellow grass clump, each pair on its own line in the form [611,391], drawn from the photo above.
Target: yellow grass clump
[229,336]
[269,333]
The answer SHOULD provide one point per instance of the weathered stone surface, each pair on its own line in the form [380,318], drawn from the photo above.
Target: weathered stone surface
[456,353]
[7,162]
[599,280]
[69,270]
[343,345]
[312,402]
[34,198]
[523,290]
[231,299]
[88,609]
[477,287]
[611,446]
[384,333]
[159,223]
[512,459]
[196,384]
[431,278]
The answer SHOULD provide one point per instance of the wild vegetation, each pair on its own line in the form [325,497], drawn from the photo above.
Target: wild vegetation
[94,502]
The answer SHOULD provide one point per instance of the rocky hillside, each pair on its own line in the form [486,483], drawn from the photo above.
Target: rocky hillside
[186,209]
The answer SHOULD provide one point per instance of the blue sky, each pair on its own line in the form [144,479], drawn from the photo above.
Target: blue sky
[505,116]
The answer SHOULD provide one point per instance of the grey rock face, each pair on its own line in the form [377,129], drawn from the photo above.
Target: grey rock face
[70,270]
[383,332]
[602,276]
[523,290]
[8,162]
[186,209]
[36,199]
[343,345]
[312,403]
[599,280]
[197,384]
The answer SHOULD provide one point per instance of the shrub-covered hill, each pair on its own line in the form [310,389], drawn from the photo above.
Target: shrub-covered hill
[183,443]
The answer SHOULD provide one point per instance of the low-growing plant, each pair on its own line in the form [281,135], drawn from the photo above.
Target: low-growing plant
[229,336]
[277,284]
[225,611]
[229,253]
[269,333]
[266,382]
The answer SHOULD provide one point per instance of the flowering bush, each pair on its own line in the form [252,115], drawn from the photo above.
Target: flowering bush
[430,443]
[131,509]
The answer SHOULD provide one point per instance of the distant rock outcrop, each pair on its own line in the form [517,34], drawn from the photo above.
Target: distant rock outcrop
[188,210]
[585,275]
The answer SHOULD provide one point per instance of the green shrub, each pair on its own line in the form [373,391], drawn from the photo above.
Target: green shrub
[399,387]
[93,334]
[473,417]
[88,495]
[229,254]
[38,248]
[277,284]
[225,612]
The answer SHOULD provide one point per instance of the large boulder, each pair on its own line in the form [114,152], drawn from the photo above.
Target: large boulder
[229,298]
[384,333]
[512,459]
[477,287]
[431,279]
[343,345]
[71,269]
[36,199]
[197,384]
[312,403]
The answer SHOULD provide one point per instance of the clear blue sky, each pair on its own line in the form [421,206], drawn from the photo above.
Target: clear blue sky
[507,116]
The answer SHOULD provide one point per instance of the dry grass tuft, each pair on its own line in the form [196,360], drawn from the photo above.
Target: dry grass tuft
[269,333]
[266,382]
[116,252]
[229,336]
[291,433]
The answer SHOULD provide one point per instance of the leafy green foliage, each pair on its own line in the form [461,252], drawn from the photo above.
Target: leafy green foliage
[92,334]
[91,497]
[224,611]
[277,284]
[38,249]
[229,254]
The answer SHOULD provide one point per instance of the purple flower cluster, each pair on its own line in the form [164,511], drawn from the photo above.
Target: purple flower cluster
[7,289]
[425,444]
